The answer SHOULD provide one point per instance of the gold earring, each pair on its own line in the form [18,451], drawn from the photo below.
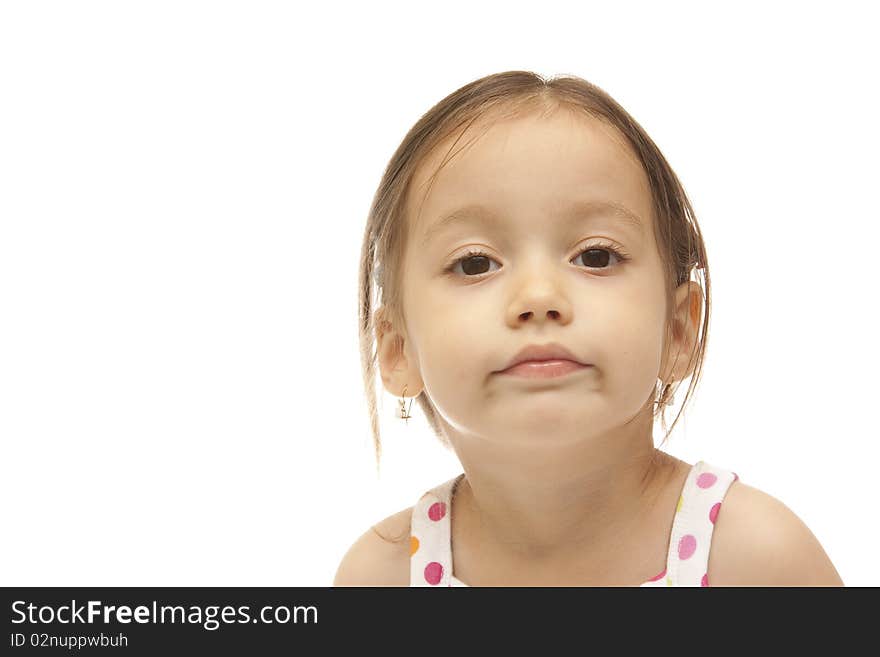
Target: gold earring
[403,411]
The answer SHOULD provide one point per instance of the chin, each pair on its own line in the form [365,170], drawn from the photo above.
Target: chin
[545,424]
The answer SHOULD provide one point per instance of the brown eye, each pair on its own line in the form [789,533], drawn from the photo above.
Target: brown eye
[595,258]
[598,256]
[473,263]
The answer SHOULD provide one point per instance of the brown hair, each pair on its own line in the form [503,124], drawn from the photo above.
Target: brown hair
[515,94]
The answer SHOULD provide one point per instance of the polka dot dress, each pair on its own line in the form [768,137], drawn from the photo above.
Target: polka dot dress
[430,543]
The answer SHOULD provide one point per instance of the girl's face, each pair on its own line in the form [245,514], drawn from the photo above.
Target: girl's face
[560,266]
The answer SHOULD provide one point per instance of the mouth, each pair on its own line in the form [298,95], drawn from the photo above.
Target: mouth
[544,369]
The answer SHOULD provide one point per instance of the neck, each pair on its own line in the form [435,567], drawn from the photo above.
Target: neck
[535,504]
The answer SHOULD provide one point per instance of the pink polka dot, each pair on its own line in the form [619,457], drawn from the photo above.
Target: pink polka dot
[433,573]
[437,511]
[705,580]
[657,577]
[713,512]
[687,546]
[706,480]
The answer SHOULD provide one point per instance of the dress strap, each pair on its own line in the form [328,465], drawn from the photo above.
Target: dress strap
[430,542]
[694,523]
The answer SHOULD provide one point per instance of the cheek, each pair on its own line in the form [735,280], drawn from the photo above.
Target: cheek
[453,366]
[630,336]
[456,334]
[453,350]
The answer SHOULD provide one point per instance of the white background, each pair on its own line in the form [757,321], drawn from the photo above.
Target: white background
[183,193]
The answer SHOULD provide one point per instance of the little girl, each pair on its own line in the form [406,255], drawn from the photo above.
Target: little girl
[533,250]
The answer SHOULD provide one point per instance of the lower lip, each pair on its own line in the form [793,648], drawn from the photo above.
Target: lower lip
[544,369]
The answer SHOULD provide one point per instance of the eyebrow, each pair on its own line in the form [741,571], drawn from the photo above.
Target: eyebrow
[478,213]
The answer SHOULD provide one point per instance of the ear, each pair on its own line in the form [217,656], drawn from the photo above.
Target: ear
[678,361]
[396,366]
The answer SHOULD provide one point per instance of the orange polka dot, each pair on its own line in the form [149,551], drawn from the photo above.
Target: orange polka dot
[413,545]
[680,500]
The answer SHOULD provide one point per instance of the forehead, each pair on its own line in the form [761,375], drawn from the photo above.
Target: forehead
[535,164]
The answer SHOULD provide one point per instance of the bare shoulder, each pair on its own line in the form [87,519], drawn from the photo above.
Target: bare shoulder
[380,556]
[758,541]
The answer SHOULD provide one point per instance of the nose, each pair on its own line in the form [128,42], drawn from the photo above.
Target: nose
[552,314]
[540,299]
